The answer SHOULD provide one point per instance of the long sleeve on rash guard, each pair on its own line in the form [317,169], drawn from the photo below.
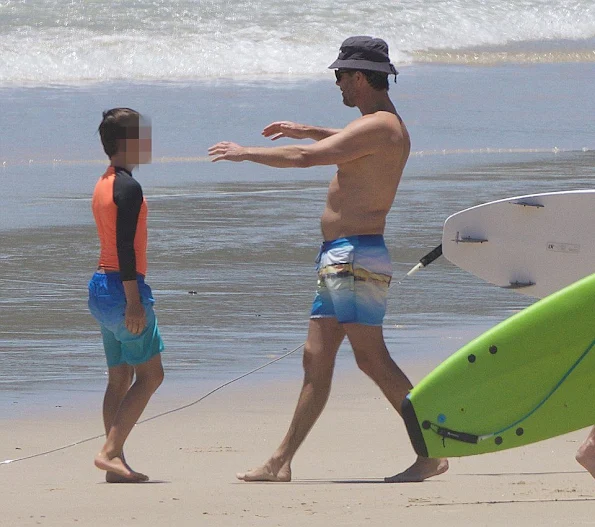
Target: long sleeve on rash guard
[128,197]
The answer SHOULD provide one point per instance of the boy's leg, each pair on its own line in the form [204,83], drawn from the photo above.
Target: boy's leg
[149,376]
[119,381]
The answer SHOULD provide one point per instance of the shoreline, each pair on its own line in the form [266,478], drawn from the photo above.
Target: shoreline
[418,350]
[473,57]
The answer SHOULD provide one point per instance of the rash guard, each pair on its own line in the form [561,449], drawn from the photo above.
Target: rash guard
[120,213]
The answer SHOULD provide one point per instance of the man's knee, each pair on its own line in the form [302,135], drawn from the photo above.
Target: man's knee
[365,364]
[316,362]
[374,365]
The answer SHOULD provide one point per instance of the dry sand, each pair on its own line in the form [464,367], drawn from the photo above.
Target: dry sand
[192,457]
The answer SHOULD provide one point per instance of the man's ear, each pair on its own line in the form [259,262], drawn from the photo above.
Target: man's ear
[360,77]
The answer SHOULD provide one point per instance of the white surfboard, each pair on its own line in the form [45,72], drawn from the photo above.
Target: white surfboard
[535,244]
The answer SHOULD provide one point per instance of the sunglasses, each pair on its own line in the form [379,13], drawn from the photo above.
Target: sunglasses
[339,74]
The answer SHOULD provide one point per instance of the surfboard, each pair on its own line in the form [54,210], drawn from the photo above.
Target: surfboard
[529,378]
[535,244]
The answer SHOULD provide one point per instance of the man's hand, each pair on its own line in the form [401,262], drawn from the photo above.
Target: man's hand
[286,129]
[227,151]
[134,318]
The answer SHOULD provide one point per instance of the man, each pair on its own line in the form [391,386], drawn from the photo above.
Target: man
[354,268]
[119,297]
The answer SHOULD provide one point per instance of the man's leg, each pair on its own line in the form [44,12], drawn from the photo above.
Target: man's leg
[324,338]
[586,453]
[374,360]
[149,376]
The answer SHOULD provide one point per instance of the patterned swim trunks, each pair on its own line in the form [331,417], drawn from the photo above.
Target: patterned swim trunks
[354,275]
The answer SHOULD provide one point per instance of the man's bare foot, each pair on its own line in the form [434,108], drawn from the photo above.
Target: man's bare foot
[586,456]
[117,470]
[423,468]
[267,472]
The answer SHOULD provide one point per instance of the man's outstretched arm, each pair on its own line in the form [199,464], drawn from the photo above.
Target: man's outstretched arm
[361,138]
[292,130]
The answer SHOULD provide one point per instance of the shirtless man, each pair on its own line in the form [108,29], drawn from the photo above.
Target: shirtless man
[354,268]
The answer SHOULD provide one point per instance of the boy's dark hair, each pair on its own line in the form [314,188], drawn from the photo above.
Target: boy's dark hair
[377,79]
[118,124]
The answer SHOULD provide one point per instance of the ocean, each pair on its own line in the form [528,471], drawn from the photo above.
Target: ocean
[497,98]
[71,42]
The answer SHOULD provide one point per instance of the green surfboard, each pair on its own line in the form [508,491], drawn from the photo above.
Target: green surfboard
[527,379]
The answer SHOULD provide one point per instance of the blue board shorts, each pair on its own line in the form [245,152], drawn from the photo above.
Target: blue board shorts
[107,303]
[354,275]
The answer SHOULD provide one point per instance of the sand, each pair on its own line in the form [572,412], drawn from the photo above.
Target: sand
[192,457]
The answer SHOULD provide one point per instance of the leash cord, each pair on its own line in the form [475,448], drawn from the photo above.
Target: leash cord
[221,386]
[177,409]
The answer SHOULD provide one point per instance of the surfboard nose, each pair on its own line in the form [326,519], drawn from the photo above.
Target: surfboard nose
[413,428]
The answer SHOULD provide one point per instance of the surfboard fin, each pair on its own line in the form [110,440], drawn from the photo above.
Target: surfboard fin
[469,239]
[518,285]
[529,204]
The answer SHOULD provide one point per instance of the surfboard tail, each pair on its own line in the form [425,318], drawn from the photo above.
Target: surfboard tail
[413,428]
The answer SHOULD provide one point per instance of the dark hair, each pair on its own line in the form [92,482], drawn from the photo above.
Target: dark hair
[377,79]
[118,124]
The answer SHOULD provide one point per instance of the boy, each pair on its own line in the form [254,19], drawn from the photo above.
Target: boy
[119,298]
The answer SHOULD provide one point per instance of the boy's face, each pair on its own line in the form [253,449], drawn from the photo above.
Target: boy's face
[139,146]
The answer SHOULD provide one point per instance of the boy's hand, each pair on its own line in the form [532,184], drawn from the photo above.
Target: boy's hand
[134,318]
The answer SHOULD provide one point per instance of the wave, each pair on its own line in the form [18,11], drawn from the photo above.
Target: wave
[47,42]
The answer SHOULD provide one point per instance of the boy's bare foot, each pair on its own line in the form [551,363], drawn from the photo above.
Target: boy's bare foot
[423,468]
[112,477]
[586,456]
[267,473]
[117,470]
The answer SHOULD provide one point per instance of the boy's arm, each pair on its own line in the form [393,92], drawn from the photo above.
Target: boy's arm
[297,131]
[134,316]
[363,137]
[128,197]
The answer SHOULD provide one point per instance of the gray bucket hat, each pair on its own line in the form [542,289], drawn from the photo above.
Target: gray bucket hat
[364,53]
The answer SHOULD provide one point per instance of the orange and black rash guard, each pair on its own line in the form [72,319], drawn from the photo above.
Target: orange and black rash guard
[120,212]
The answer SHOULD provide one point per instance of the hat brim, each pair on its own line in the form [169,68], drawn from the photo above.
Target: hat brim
[368,65]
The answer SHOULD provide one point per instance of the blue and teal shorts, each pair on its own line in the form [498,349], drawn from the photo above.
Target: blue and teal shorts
[354,275]
[107,303]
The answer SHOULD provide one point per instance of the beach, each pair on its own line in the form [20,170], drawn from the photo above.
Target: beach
[221,232]
[498,101]
[231,297]
[192,456]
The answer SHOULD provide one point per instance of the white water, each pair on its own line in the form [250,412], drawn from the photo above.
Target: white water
[71,42]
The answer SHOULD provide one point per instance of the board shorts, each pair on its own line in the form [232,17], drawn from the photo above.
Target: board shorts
[107,303]
[354,275]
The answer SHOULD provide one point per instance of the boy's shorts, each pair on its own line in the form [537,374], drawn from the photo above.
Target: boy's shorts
[354,275]
[107,303]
